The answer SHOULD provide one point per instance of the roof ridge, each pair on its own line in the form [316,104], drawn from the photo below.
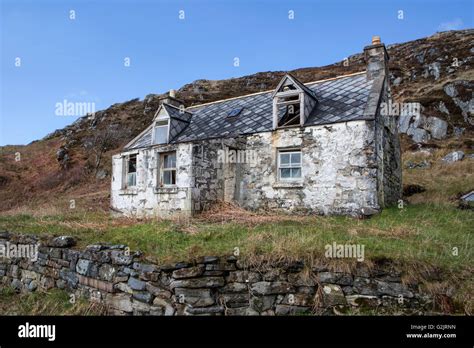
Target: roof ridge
[175,107]
[269,90]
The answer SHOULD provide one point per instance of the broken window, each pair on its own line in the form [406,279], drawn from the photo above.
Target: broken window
[160,132]
[289,165]
[168,169]
[131,171]
[288,108]
[293,103]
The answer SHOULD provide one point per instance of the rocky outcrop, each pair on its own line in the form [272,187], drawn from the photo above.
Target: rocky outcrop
[121,281]
[421,128]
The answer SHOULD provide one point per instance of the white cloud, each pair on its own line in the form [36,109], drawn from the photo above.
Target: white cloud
[455,24]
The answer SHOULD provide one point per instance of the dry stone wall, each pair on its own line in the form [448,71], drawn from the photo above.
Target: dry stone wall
[127,285]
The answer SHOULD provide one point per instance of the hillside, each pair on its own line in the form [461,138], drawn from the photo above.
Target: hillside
[436,71]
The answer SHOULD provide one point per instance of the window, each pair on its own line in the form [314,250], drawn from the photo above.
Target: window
[160,132]
[168,169]
[288,110]
[235,112]
[289,165]
[132,171]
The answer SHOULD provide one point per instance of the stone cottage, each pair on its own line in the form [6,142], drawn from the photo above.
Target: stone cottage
[315,148]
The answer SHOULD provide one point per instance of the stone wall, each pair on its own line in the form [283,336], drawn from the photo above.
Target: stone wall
[388,156]
[127,285]
[147,199]
[341,173]
[338,169]
[214,180]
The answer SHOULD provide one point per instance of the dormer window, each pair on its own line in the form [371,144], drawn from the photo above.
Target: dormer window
[293,102]
[160,132]
[288,108]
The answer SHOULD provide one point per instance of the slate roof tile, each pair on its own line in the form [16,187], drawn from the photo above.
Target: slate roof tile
[342,99]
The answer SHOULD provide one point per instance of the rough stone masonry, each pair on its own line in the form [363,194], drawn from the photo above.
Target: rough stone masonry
[121,281]
[349,152]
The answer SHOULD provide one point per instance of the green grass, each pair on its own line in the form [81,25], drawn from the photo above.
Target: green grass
[53,302]
[422,232]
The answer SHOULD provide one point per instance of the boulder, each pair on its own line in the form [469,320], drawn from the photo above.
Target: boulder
[437,127]
[453,157]
[419,135]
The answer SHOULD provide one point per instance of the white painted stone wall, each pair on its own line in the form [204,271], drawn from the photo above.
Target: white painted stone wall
[339,174]
[339,170]
[147,199]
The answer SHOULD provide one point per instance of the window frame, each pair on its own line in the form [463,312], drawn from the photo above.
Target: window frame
[127,171]
[162,169]
[163,123]
[290,165]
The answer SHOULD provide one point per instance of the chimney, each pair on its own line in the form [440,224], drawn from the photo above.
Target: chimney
[171,99]
[376,58]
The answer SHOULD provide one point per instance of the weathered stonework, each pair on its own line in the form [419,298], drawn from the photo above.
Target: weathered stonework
[126,285]
[342,169]
[350,165]
[147,199]
[338,170]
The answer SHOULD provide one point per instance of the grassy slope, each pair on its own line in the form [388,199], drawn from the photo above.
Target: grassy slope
[421,236]
[426,229]
[422,232]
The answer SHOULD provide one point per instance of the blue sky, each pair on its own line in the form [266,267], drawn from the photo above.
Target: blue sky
[82,59]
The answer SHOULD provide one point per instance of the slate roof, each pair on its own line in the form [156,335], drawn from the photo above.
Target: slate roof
[300,85]
[340,100]
[176,113]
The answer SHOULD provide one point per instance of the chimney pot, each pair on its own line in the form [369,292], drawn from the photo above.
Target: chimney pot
[172,93]
[376,40]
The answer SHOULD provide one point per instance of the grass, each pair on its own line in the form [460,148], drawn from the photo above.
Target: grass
[427,234]
[53,302]
[422,232]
